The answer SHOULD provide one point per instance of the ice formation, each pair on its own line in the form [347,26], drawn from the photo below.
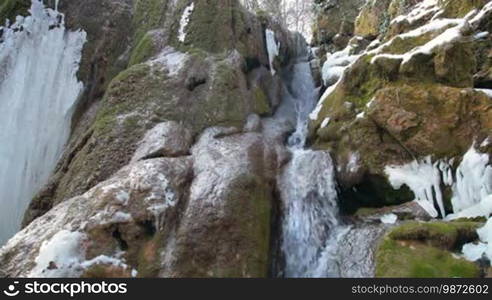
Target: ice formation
[389,219]
[424,179]
[39,60]
[273,48]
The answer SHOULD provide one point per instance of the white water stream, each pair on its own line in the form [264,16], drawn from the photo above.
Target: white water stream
[310,222]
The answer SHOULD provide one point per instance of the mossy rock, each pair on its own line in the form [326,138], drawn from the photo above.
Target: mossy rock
[423,249]
[410,259]
[148,15]
[460,8]
[445,235]
[262,105]
[144,50]
[9,9]
[373,18]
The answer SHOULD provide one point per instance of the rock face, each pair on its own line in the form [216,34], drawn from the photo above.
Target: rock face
[410,97]
[203,215]
[202,81]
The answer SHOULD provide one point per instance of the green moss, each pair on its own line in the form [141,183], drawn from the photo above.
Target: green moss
[373,19]
[416,260]
[107,115]
[446,235]
[261,104]
[9,9]
[365,211]
[401,45]
[207,19]
[459,8]
[149,14]
[143,51]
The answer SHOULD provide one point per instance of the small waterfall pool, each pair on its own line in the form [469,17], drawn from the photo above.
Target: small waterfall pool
[310,222]
[39,60]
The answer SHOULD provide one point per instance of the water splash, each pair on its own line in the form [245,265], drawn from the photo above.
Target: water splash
[39,59]
[310,222]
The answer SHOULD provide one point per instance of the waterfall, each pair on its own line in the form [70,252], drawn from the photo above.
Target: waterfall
[39,60]
[310,221]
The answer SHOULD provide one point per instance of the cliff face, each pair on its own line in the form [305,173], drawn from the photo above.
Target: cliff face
[174,91]
[411,88]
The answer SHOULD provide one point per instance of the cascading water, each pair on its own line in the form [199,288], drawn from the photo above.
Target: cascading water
[39,60]
[310,222]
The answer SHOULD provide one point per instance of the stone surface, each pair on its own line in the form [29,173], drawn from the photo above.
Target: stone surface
[164,140]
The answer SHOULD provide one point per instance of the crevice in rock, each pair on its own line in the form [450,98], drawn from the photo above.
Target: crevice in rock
[275,256]
[118,237]
[148,227]
[71,155]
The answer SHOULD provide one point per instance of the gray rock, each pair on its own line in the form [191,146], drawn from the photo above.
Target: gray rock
[253,123]
[167,139]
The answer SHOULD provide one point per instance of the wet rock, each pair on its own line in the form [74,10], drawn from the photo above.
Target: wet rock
[357,249]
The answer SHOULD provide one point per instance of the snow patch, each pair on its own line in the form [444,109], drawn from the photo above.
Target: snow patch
[389,219]
[273,48]
[60,256]
[325,122]
[171,59]
[183,23]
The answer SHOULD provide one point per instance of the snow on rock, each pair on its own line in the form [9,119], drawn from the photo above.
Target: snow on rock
[314,114]
[273,48]
[336,64]
[325,122]
[171,60]
[165,139]
[61,255]
[39,59]
[353,162]
[475,17]
[448,36]
[389,219]
[422,10]
[481,35]
[183,23]
[332,72]
[488,92]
